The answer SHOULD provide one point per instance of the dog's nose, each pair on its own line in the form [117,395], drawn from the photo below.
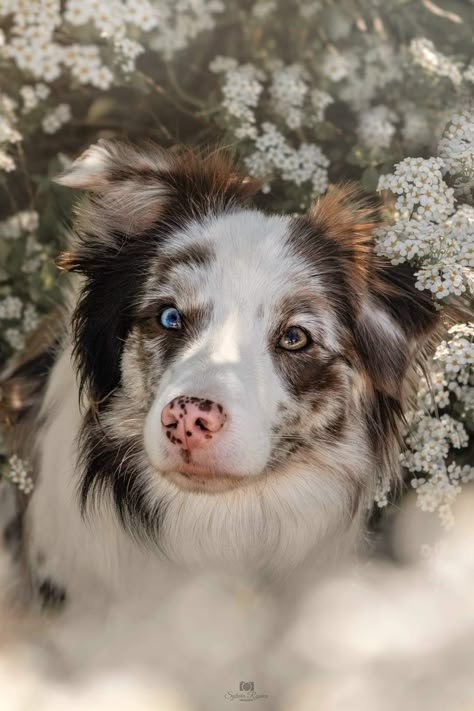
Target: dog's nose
[192,422]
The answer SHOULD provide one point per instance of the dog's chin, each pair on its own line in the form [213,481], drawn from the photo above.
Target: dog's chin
[196,477]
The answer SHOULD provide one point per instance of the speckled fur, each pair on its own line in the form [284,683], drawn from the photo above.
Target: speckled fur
[309,433]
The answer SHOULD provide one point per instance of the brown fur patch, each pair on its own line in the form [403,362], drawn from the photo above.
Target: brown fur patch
[348,217]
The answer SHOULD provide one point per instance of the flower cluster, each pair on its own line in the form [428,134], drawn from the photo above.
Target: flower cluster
[56,118]
[18,473]
[436,234]
[241,92]
[430,230]
[274,155]
[456,148]
[431,437]
[285,92]
[288,91]
[376,126]
[9,135]
[427,56]
[20,308]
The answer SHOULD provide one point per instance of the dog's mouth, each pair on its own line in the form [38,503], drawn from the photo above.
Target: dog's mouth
[190,475]
[191,470]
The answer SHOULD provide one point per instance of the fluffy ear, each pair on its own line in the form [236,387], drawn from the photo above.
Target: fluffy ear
[101,164]
[124,182]
[392,321]
[130,186]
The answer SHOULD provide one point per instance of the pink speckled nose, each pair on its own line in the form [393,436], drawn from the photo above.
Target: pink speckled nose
[192,422]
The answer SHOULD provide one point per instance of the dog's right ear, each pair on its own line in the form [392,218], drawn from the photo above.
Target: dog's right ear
[89,171]
[126,184]
[131,187]
[107,161]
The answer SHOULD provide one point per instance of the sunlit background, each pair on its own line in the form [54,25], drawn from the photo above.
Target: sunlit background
[308,93]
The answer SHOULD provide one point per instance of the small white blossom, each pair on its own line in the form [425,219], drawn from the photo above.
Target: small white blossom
[415,129]
[18,473]
[336,66]
[56,118]
[420,189]
[427,56]
[30,318]
[456,147]
[10,308]
[263,8]
[242,88]
[377,127]
[15,338]
[320,100]
[288,91]
[273,154]
[128,50]
[25,221]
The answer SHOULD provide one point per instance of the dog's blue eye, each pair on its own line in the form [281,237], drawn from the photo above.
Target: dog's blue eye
[171,318]
[294,339]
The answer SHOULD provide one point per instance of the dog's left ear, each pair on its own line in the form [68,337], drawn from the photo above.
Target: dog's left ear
[392,321]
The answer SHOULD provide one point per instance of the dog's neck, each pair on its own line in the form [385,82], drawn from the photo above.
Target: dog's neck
[93,558]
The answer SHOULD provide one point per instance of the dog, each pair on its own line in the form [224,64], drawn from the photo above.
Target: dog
[222,387]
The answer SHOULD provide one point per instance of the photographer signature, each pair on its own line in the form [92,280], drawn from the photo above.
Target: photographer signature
[244,696]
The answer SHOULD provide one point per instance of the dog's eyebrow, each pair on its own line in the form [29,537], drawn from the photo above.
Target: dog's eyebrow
[195,254]
[302,303]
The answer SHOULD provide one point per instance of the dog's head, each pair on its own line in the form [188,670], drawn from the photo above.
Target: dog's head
[244,373]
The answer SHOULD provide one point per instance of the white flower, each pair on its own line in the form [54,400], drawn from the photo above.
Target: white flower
[427,56]
[416,129]
[288,91]
[30,318]
[7,163]
[180,22]
[15,338]
[16,225]
[56,118]
[242,88]
[10,308]
[376,127]
[335,66]
[18,472]
[468,74]
[273,155]
[456,147]
[141,13]
[78,12]
[222,64]
[263,8]
[320,100]
[421,190]
[128,51]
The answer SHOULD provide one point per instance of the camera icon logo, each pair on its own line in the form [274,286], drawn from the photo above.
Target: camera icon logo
[246,686]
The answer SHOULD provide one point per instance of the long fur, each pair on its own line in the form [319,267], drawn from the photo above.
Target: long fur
[310,432]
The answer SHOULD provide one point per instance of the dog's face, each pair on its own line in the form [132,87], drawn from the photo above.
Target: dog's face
[245,371]
[239,357]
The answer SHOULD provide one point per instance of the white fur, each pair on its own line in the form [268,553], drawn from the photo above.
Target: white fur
[272,524]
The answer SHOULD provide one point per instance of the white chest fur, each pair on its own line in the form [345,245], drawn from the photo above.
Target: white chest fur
[93,559]
[96,562]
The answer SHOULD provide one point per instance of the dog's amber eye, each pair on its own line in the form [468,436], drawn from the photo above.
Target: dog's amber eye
[294,339]
[171,318]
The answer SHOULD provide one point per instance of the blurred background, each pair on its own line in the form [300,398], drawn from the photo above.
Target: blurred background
[307,93]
